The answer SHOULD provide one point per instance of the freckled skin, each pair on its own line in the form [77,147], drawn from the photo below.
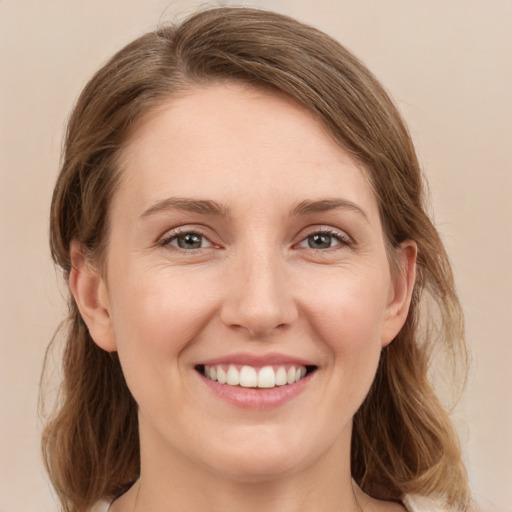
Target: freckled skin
[250,281]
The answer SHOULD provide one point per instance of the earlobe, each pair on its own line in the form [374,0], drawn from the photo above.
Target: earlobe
[401,291]
[90,294]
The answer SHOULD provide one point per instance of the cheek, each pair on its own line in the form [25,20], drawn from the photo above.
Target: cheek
[155,317]
[348,311]
[346,316]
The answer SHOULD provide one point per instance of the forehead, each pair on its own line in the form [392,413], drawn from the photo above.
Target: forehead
[233,141]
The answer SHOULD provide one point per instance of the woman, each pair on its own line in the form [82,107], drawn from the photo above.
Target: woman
[240,219]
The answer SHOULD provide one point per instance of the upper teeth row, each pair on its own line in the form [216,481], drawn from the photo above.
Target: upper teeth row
[249,377]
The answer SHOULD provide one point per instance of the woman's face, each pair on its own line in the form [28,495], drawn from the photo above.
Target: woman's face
[245,244]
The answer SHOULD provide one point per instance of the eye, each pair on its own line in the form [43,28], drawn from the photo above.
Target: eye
[325,240]
[187,241]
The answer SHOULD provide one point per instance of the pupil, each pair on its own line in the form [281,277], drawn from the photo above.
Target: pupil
[189,241]
[320,241]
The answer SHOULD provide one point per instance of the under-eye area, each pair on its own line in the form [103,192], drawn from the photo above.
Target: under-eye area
[246,376]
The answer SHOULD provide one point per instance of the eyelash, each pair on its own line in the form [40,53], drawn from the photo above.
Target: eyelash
[177,233]
[342,238]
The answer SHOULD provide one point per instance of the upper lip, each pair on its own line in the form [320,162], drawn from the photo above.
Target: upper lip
[257,360]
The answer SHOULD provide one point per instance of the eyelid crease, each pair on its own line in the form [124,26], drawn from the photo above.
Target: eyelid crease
[324,228]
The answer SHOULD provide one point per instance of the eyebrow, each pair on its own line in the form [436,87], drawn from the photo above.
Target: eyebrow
[203,206]
[323,205]
[209,207]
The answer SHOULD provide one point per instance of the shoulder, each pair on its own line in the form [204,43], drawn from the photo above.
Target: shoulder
[415,503]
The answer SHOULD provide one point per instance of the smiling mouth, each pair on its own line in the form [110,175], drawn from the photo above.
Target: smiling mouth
[266,377]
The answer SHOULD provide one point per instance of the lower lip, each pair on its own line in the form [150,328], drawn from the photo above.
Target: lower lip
[256,398]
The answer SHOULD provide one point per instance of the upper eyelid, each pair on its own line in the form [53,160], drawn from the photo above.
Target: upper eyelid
[165,242]
[205,232]
[311,230]
[345,239]
[170,233]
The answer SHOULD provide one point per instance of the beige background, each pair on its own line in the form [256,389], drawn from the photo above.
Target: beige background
[448,64]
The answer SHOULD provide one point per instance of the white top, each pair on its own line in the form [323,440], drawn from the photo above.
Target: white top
[411,504]
[414,503]
[101,506]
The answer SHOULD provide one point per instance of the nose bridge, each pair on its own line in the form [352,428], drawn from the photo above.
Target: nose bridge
[259,298]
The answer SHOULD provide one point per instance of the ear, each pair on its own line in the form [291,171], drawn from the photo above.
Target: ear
[402,285]
[90,293]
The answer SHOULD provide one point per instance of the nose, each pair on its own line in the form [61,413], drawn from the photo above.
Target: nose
[259,299]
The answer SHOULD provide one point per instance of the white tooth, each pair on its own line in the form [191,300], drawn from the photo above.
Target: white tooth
[266,377]
[303,371]
[233,376]
[221,375]
[290,376]
[206,373]
[213,373]
[248,377]
[281,376]
[297,375]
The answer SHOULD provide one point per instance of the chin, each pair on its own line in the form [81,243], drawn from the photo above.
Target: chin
[257,470]
[258,461]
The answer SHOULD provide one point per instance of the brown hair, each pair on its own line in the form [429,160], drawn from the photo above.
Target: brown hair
[403,441]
